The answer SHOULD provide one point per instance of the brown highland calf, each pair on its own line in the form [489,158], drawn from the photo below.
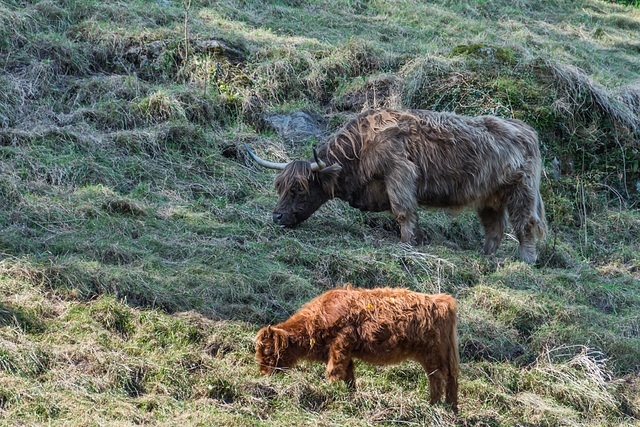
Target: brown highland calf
[379,326]
[397,160]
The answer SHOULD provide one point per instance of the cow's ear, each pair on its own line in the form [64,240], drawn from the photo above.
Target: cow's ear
[329,177]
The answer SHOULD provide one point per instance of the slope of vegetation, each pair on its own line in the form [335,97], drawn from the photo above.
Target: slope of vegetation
[137,254]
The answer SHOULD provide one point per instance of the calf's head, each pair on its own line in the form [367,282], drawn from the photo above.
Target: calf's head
[302,188]
[272,350]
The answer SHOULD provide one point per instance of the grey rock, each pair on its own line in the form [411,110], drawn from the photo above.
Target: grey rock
[296,126]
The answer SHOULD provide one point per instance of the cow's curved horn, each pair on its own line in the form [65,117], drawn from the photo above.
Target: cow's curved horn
[265,163]
[319,164]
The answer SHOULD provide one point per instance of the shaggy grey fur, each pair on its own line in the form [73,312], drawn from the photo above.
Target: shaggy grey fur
[398,160]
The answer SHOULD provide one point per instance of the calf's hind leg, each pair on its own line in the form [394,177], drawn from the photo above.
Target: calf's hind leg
[436,381]
[451,396]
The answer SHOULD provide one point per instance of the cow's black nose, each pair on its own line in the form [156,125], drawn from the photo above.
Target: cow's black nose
[277,218]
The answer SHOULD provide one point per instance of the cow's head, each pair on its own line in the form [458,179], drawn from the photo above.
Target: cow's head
[272,350]
[302,188]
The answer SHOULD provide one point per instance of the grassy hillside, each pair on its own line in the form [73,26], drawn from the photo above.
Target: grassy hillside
[137,254]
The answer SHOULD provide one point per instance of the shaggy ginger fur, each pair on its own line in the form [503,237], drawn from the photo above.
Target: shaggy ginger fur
[380,326]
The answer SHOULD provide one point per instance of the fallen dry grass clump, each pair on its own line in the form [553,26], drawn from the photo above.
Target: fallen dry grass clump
[138,258]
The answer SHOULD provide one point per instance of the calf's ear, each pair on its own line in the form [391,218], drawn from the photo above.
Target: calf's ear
[263,334]
[328,177]
[280,338]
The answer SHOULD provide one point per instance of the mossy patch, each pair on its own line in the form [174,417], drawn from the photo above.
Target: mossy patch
[485,51]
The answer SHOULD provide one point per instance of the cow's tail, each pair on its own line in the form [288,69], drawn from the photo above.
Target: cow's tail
[453,358]
[541,218]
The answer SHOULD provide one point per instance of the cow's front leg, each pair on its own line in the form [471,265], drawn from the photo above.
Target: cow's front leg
[340,363]
[409,230]
[401,189]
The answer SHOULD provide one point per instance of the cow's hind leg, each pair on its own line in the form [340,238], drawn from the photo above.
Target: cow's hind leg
[522,208]
[494,221]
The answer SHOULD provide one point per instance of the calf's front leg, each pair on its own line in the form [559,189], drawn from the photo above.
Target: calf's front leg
[340,363]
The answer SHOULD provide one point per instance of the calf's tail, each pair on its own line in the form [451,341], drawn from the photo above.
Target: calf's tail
[453,359]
